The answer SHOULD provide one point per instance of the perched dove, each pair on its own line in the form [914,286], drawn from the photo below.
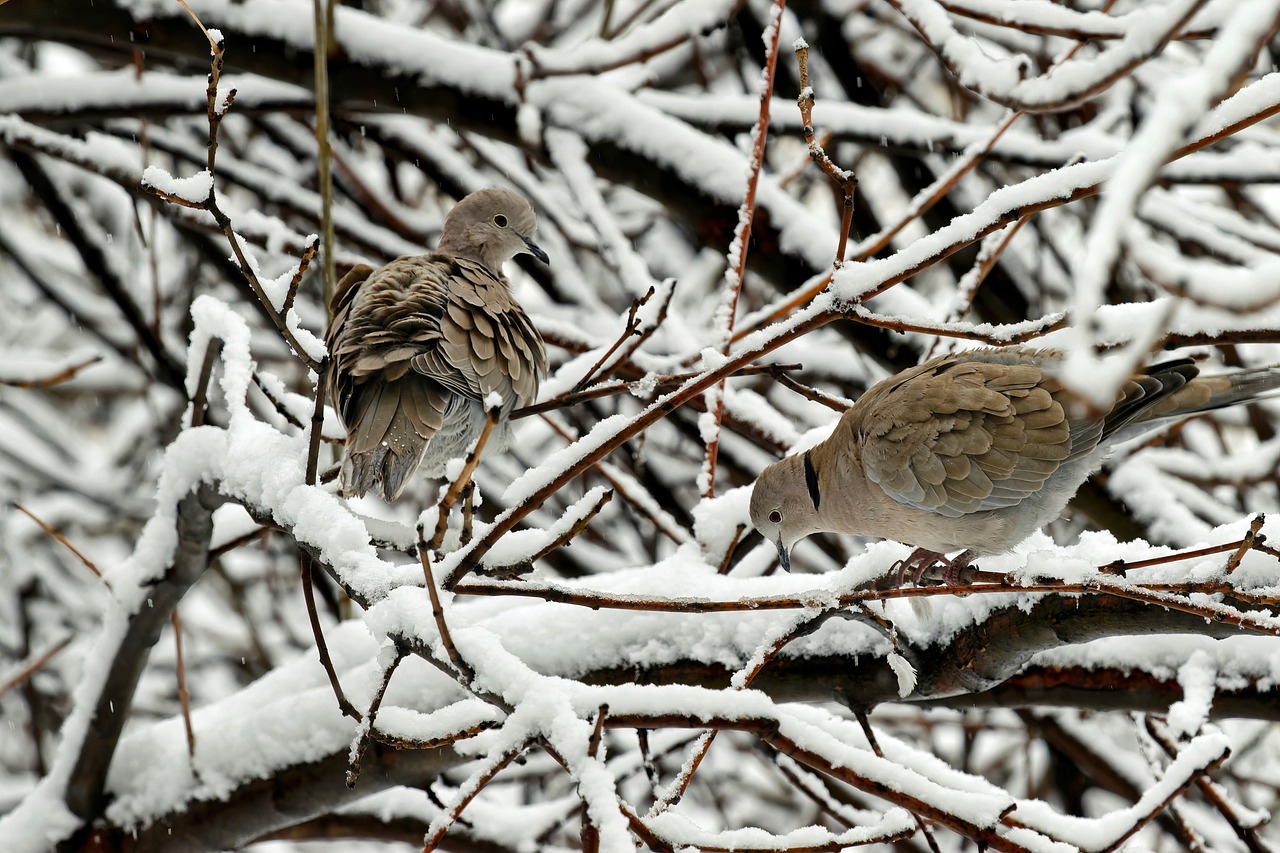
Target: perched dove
[972,452]
[418,345]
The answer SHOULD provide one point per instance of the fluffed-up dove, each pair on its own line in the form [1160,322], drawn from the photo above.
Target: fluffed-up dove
[419,345]
[973,452]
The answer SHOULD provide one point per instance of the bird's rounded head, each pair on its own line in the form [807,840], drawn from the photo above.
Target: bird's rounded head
[491,226]
[783,505]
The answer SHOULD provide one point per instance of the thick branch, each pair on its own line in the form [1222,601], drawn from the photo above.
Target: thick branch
[85,789]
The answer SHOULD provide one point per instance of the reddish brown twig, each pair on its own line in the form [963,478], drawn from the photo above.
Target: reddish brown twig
[844,180]
[1247,543]
[624,486]
[184,698]
[470,789]
[865,722]
[317,423]
[741,241]
[632,328]
[575,529]
[33,666]
[591,835]
[369,732]
[322,647]
[214,113]
[733,546]
[454,491]
[462,670]
[647,332]
[618,387]
[741,681]
[836,404]
[62,540]
[54,378]
[1210,790]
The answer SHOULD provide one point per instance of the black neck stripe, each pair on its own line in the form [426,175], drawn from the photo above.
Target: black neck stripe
[811,479]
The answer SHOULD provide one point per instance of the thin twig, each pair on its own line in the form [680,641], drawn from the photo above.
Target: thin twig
[62,540]
[468,511]
[575,529]
[1211,791]
[324,149]
[842,178]
[836,404]
[741,241]
[628,331]
[647,332]
[617,387]
[369,732]
[865,723]
[33,666]
[214,114]
[659,519]
[322,648]
[591,835]
[53,379]
[308,254]
[1247,543]
[184,698]
[733,546]
[741,681]
[317,423]
[200,400]
[455,488]
[464,672]
[470,789]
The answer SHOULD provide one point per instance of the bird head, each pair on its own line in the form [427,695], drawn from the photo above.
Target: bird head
[784,504]
[491,226]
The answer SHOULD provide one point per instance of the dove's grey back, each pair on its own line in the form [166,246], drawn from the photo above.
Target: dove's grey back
[974,450]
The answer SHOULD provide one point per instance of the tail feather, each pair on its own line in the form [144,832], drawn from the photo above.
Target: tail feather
[1229,389]
[1145,394]
[383,448]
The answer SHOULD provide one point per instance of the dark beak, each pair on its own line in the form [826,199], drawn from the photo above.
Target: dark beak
[783,556]
[536,251]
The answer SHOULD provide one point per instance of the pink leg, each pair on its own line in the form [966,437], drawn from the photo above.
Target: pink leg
[921,560]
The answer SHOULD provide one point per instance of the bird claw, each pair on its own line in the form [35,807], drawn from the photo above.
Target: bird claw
[922,560]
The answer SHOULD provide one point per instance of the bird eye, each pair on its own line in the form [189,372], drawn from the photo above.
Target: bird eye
[500,221]
[775,517]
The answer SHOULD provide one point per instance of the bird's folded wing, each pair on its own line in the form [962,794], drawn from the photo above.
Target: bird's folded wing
[956,437]
[487,337]
[384,323]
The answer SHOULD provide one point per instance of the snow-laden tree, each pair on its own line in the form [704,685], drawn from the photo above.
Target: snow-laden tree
[603,655]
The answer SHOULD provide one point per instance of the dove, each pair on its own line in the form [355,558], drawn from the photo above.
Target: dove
[418,346]
[973,452]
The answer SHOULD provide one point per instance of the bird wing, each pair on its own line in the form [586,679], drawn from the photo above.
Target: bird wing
[956,435]
[448,320]
[381,320]
[486,337]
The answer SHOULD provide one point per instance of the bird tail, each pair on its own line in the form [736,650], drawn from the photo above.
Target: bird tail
[384,448]
[1206,393]
[1232,388]
[1174,390]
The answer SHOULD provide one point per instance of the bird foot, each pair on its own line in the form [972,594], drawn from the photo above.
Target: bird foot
[922,560]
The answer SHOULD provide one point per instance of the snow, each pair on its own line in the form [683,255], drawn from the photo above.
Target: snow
[682,20]
[640,597]
[153,88]
[1102,833]
[194,189]
[1198,679]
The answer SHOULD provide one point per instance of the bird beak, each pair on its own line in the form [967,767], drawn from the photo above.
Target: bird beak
[783,556]
[536,251]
